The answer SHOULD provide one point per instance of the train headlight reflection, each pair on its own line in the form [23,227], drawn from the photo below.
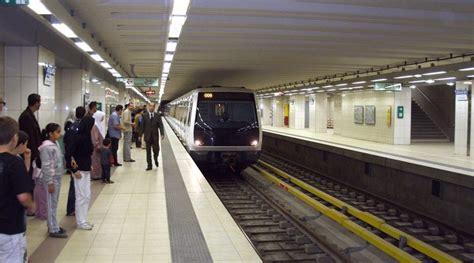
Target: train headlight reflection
[198,143]
[254,143]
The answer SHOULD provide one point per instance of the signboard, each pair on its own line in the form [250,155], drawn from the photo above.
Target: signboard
[369,115]
[48,73]
[400,112]
[359,114]
[462,95]
[144,82]
[150,92]
[99,106]
[381,86]
[13,2]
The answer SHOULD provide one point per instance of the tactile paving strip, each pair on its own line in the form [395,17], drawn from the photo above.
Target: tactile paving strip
[186,238]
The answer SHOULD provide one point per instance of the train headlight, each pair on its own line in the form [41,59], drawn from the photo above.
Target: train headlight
[198,143]
[254,143]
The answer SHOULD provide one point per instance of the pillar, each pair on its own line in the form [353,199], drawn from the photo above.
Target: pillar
[321,118]
[277,110]
[297,111]
[402,123]
[265,109]
[461,119]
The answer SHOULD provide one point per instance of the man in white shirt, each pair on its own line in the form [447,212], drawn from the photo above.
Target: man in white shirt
[127,133]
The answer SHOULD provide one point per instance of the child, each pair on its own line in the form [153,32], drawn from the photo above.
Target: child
[14,196]
[52,169]
[106,159]
[22,149]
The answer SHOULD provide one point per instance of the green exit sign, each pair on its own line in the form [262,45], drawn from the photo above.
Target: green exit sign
[13,2]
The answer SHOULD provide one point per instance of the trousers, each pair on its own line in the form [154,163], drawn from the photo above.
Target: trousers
[13,248]
[71,197]
[82,186]
[127,143]
[152,143]
[106,173]
[52,205]
[114,148]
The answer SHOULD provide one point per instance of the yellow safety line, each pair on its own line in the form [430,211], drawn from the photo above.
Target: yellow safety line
[370,219]
[343,220]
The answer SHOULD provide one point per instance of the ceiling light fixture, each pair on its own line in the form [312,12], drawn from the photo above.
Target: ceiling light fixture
[404,77]
[434,73]
[97,58]
[417,75]
[430,81]
[180,7]
[84,46]
[176,26]
[378,80]
[467,69]
[448,78]
[105,65]
[169,57]
[38,7]
[171,46]
[450,83]
[418,81]
[359,82]
[412,87]
[468,82]
[470,76]
[328,86]
[65,30]
[166,67]
[341,85]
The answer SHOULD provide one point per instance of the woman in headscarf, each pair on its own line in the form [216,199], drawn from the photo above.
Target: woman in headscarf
[97,136]
[70,119]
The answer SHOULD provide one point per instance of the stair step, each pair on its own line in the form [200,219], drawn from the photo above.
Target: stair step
[422,127]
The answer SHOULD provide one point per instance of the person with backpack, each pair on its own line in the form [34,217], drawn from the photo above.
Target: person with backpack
[52,170]
[71,132]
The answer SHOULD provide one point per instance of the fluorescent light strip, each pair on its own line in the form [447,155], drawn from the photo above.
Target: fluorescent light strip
[359,82]
[418,81]
[180,7]
[430,81]
[341,85]
[171,46]
[169,57]
[84,46]
[434,73]
[378,80]
[448,78]
[38,7]
[105,65]
[166,67]
[470,76]
[467,69]
[328,86]
[176,26]
[65,30]
[97,58]
[404,77]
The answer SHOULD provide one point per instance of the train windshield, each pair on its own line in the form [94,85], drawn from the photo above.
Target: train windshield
[226,118]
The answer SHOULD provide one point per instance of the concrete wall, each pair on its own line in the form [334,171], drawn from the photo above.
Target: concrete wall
[2,71]
[380,132]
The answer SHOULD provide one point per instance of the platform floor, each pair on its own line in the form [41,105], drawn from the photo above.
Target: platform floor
[169,214]
[438,155]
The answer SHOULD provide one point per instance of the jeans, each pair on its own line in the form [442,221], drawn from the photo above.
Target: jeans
[127,143]
[13,248]
[52,201]
[83,196]
[114,148]
[105,173]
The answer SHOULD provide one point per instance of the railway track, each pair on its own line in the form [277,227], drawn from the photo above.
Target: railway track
[404,234]
[275,235]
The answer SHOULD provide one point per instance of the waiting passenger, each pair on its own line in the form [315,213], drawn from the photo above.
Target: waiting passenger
[106,159]
[115,129]
[52,170]
[2,107]
[21,149]
[14,196]
[97,136]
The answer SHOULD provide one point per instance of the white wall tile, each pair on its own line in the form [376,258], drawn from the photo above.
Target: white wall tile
[12,94]
[12,61]
[29,62]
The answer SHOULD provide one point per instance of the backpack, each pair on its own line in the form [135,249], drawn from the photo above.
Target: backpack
[71,132]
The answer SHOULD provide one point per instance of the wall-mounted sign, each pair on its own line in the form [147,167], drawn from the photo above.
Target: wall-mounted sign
[462,95]
[358,114]
[13,2]
[381,86]
[143,82]
[48,74]
[369,115]
[400,112]
[150,92]
[389,116]
[99,106]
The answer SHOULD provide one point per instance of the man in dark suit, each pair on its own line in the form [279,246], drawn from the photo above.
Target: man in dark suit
[150,125]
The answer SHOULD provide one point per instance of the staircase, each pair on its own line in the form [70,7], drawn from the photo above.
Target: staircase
[423,129]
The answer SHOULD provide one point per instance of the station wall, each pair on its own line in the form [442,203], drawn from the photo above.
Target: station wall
[2,63]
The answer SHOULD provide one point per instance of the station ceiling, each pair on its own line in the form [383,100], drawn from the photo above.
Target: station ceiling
[258,43]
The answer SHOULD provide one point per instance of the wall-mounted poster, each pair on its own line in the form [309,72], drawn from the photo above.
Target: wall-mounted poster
[370,114]
[359,114]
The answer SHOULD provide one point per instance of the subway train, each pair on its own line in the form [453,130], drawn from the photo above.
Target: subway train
[219,126]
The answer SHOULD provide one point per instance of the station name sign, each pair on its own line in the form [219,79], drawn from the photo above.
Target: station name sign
[143,82]
[13,2]
[382,86]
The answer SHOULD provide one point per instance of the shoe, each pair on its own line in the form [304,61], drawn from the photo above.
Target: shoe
[62,230]
[103,181]
[157,164]
[110,182]
[130,161]
[118,164]
[149,168]
[30,214]
[71,214]
[86,226]
[58,235]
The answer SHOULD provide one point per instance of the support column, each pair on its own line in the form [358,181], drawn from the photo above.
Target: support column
[321,112]
[402,123]
[461,119]
[297,112]
[277,106]
[265,107]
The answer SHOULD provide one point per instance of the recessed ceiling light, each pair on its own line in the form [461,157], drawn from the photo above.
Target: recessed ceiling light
[467,69]
[84,46]
[412,87]
[65,30]
[430,81]
[418,81]
[450,83]
[327,86]
[180,7]
[359,82]
[105,65]
[341,85]
[169,57]
[38,7]
[96,57]
[470,76]
[378,80]
[448,78]
[417,75]
[468,82]
[171,46]
[404,77]
[434,73]
[331,89]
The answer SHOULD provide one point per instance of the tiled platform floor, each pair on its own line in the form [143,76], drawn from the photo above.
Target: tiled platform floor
[131,223]
[438,155]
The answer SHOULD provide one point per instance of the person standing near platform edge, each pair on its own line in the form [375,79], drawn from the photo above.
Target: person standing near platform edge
[127,132]
[150,126]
